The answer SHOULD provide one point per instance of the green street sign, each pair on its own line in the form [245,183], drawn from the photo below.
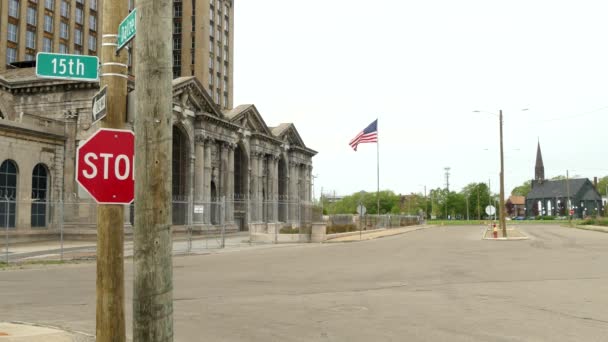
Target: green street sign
[126,30]
[70,67]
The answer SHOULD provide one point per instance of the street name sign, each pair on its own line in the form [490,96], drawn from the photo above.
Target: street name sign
[126,30]
[104,166]
[67,67]
[100,101]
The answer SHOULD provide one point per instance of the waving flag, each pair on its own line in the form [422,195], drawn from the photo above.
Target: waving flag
[368,135]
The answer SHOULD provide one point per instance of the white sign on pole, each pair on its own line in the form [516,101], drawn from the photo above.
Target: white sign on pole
[99,104]
[361,210]
[199,209]
[490,210]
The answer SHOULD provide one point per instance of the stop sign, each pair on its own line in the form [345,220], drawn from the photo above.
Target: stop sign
[104,166]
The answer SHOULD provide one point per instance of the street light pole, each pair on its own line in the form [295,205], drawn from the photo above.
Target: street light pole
[502,184]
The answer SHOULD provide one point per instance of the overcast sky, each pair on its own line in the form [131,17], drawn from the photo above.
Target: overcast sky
[422,67]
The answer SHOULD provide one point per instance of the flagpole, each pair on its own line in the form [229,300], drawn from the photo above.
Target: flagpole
[378,169]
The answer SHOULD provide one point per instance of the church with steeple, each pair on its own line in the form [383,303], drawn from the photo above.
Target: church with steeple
[554,197]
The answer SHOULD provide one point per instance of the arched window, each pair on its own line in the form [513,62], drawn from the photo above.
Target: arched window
[8,193]
[179,168]
[40,190]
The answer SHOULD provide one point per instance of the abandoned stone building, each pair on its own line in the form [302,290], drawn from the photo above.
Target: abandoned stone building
[229,167]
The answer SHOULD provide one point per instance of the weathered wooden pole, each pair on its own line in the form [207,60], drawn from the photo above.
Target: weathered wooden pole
[153,278]
[502,221]
[110,306]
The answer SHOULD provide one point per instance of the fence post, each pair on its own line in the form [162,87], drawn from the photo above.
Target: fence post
[7,214]
[61,210]
[223,220]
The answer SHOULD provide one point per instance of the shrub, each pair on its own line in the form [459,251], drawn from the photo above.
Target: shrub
[545,218]
[289,230]
[341,228]
[595,222]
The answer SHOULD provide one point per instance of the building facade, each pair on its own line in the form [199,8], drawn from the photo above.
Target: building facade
[203,36]
[229,168]
[556,197]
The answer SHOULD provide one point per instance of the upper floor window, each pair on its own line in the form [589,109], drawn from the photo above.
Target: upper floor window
[49,4]
[64,31]
[11,55]
[30,39]
[13,32]
[48,23]
[93,5]
[79,15]
[92,43]
[63,48]
[13,8]
[92,23]
[177,10]
[78,36]
[65,9]
[47,44]
[32,14]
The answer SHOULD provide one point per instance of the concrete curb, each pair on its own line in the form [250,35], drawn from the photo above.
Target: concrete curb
[17,331]
[516,238]
[591,228]
[380,234]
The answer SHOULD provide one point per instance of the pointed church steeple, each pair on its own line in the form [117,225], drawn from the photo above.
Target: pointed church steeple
[539,169]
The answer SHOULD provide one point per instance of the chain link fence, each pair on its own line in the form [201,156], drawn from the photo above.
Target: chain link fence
[58,230]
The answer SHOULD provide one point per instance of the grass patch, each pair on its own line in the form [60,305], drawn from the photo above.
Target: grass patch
[302,230]
[595,222]
[488,222]
[23,264]
[342,228]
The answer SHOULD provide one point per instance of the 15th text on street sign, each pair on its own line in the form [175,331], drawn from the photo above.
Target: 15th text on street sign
[126,30]
[71,67]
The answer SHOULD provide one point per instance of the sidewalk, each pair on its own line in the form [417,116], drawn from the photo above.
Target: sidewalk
[22,332]
[78,250]
[377,233]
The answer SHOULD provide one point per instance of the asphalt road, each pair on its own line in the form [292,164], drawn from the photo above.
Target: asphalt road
[437,284]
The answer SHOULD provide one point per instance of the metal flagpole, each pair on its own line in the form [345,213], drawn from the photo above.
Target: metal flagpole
[378,169]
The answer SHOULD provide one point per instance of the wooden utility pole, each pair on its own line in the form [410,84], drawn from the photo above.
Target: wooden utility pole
[110,315]
[503,222]
[153,269]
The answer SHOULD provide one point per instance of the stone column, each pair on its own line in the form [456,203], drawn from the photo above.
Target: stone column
[261,199]
[293,192]
[254,187]
[207,180]
[308,183]
[190,190]
[275,188]
[223,176]
[230,191]
[199,176]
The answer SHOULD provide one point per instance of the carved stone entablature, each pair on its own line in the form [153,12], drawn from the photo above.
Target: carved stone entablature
[263,137]
[205,117]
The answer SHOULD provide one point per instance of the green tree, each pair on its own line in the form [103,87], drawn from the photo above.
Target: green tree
[523,189]
[478,195]
[602,185]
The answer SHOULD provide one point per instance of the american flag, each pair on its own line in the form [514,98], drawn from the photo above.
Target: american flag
[368,135]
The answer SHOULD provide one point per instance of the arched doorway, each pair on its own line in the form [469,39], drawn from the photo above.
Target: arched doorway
[283,204]
[179,168]
[8,193]
[214,204]
[40,189]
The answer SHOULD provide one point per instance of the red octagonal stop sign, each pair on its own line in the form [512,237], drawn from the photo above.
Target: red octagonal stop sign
[104,166]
